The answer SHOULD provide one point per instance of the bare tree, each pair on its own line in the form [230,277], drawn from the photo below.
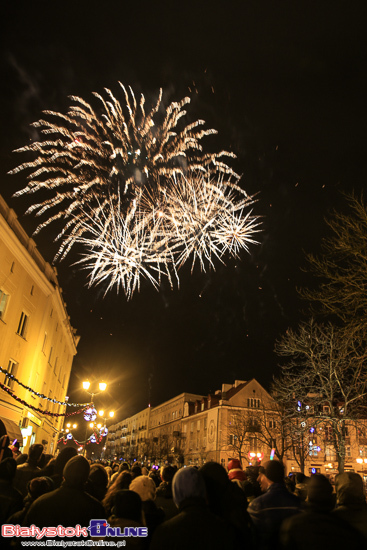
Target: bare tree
[341,268]
[326,367]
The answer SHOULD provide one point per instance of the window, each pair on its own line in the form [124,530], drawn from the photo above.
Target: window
[205,423]
[272,424]
[12,368]
[253,403]
[23,324]
[191,427]
[50,356]
[3,301]
[32,290]
[198,425]
[202,406]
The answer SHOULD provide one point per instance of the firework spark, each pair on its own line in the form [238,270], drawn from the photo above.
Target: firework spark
[120,151]
[198,218]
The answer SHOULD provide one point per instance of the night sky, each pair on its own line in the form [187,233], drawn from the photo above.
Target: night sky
[284,83]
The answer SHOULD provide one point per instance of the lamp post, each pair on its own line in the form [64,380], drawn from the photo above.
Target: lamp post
[111,414]
[86,385]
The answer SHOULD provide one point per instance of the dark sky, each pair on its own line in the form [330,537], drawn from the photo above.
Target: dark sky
[289,81]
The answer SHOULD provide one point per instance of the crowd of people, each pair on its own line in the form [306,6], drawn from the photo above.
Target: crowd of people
[193,508]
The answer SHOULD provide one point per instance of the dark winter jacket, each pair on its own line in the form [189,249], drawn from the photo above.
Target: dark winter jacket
[65,506]
[195,527]
[269,510]
[164,500]
[316,529]
[11,500]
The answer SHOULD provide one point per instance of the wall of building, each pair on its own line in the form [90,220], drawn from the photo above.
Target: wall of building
[37,341]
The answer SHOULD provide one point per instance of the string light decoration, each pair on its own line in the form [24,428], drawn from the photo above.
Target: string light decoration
[136,191]
[42,411]
[40,395]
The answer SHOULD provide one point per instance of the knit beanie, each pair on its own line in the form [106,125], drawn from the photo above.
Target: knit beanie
[188,483]
[144,486]
[76,471]
[273,470]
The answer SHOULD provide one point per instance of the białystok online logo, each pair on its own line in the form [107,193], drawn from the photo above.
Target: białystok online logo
[97,528]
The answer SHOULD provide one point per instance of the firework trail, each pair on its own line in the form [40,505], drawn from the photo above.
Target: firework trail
[135,191]
[87,155]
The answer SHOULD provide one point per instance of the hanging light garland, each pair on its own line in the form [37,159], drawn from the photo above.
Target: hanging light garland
[94,438]
[12,377]
[42,411]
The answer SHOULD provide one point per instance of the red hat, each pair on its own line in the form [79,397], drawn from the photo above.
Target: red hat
[235,471]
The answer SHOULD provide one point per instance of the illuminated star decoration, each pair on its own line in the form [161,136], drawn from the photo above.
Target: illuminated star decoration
[136,191]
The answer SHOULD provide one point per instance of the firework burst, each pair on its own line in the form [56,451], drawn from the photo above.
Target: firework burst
[198,218]
[118,151]
[136,192]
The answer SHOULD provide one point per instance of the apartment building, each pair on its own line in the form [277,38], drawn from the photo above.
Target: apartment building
[37,341]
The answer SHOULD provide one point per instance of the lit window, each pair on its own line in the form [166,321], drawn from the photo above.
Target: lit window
[12,367]
[3,301]
[23,324]
[44,342]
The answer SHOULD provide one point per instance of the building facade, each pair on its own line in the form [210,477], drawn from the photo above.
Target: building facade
[37,341]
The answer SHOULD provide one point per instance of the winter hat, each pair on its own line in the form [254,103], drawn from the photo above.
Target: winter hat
[273,470]
[62,458]
[188,483]
[8,467]
[235,471]
[76,471]
[144,486]
[349,490]
[319,492]
[167,473]
[5,452]
[136,470]
[127,505]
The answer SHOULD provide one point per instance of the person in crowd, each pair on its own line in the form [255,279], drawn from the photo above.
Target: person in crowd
[156,476]
[136,471]
[351,502]
[195,526]
[300,489]
[68,505]
[11,500]
[145,487]
[235,472]
[127,512]
[315,526]
[36,487]
[5,451]
[109,473]
[122,482]
[97,482]
[29,469]
[14,447]
[268,510]
[164,495]
[251,486]
[228,501]
[124,466]
[55,466]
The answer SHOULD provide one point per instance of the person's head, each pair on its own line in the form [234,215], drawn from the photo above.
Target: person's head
[123,480]
[349,490]
[62,458]
[320,493]
[136,471]
[167,473]
[35,452]
[8,467]
[98,475]
[39,486]
[128,505]
[271,472]
[124,466]
[76,472]
[188,483]
[235,471]
[144,486]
